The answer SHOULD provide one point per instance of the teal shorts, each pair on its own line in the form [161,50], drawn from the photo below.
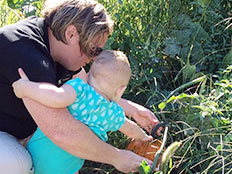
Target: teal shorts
[48,158]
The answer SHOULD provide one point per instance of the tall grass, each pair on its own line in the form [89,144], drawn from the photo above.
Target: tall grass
[171,43]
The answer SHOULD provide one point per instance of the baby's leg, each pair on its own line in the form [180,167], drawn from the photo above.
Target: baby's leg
[77,172]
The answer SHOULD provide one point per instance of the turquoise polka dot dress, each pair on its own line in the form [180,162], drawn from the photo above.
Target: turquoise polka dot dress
[100,115]
[94,110]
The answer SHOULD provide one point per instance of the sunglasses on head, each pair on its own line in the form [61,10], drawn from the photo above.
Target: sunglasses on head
[95,51]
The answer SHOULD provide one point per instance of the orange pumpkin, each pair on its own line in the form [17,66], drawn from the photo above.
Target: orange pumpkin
[145,149]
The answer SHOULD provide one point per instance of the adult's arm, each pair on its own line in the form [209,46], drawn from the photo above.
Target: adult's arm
[77,139]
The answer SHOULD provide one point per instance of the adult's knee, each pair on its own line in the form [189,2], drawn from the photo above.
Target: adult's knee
[14,158]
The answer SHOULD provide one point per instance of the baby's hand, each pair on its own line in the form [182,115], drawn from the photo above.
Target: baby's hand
[147,138]
[18,86]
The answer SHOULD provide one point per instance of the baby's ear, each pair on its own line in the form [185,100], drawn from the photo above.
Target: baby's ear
[119,92]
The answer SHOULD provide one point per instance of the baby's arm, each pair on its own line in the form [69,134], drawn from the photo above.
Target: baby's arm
[45,93]
[132,130]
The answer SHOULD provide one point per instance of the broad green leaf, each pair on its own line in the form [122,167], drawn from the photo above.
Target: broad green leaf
[172,48]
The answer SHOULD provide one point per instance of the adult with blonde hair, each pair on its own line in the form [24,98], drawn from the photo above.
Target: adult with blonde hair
[52,49]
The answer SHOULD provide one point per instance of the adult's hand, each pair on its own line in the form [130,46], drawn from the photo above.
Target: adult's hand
[129,161]
[143,116]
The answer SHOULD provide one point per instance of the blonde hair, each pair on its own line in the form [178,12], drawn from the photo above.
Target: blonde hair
[88,16]
[113,66]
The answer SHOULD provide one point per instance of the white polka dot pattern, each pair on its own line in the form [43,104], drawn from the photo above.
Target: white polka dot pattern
[94,110]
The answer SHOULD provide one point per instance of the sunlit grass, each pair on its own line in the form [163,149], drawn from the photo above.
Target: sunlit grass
[8,15]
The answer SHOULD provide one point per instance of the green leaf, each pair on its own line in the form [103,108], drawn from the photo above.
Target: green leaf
[171,99]
[204,3]
[182,36]
[14,4]
[228,137]
[227,60]
[120,2]
[172,47]
[162,105]
[188,72]
[144,168]
[184,95]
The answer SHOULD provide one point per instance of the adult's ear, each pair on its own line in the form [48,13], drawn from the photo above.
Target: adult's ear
[71,34]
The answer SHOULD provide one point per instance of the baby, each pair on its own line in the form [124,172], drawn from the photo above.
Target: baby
[94,103]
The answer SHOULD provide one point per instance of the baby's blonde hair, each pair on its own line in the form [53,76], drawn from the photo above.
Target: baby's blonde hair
[113,67]
[88,16]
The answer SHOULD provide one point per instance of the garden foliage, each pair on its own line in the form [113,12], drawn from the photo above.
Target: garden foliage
[170,44]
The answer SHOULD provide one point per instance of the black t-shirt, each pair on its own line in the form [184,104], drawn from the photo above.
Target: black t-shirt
[24,44]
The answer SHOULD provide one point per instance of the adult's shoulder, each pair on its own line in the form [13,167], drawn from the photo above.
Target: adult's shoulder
[32,30]
[28,28]
[25,44]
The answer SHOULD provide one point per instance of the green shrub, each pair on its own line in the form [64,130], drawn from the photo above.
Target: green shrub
[171,43]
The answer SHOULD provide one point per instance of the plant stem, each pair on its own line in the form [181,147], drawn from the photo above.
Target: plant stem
[186,85]
[161,149]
